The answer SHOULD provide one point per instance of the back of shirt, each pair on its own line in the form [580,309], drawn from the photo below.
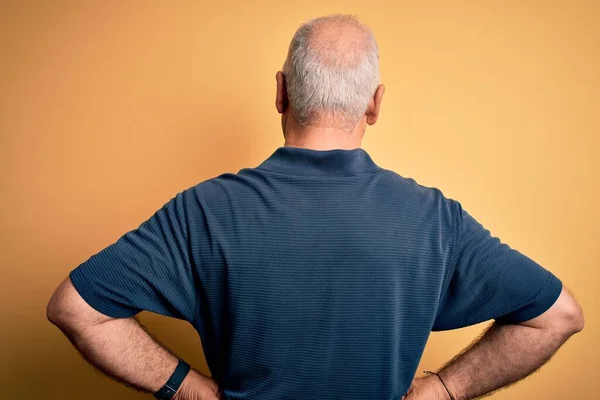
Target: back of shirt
[316,275]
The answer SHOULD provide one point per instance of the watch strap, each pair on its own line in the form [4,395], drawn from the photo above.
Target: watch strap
[168,390]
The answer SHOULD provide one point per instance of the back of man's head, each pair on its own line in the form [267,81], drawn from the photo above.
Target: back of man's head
[331,71]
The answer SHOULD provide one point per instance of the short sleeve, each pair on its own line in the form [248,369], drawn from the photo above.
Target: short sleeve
[148,268]
[490,280]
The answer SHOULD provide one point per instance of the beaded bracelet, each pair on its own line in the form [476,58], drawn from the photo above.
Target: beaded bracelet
[440,378]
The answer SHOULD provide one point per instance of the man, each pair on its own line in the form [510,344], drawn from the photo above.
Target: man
[317,274]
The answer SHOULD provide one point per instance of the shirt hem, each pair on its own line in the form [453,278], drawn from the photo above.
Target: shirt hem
[548,301]
[84,288]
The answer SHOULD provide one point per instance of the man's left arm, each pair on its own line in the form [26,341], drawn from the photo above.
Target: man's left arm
[148,268]
[121,348]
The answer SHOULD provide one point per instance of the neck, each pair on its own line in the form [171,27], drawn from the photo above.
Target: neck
[318,137]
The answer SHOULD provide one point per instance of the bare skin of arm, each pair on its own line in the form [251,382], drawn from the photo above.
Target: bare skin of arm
[504,354]
[121,348]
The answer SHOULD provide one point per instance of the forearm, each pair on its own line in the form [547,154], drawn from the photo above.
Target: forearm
[503,354]
[122,349]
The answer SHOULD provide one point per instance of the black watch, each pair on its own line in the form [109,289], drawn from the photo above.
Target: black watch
[168,390]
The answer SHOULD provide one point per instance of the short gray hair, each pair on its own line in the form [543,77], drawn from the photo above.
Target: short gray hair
[321,82]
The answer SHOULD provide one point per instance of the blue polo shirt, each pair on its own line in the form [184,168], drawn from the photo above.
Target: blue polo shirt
[315,275]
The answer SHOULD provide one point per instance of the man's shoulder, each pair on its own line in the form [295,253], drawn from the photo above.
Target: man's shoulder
[246,181]
[229,180]
[411,186]
[222,186]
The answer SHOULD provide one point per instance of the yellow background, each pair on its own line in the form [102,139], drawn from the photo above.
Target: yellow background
[109,108]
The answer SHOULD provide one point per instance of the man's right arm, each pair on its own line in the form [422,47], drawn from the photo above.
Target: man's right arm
[487,279]
[504,354]
[507,353]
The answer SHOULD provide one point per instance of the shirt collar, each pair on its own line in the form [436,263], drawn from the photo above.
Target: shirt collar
[308,162]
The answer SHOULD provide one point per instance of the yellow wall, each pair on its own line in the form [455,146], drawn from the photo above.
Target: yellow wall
[108,108]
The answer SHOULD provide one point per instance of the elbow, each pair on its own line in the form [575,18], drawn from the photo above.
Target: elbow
[563,319]
[69,312]
[576,320]
[51,313]
[53,310]
[59,310]
[573,320]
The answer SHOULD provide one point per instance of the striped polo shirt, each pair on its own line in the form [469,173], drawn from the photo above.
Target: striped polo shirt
[315,275]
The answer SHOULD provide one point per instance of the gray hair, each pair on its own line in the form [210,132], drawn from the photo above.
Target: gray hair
[322,81]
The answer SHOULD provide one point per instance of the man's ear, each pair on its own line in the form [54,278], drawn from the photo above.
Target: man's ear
[374,105]
[281,99]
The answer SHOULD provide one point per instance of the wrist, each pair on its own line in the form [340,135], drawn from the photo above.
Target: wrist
[171,387]
[197,386]
[436,389]
[184,388]
[450,388]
